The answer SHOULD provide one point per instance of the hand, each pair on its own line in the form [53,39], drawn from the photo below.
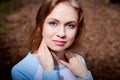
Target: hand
[75,65]
[45,57]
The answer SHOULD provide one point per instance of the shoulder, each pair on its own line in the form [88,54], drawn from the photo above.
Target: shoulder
[26,67]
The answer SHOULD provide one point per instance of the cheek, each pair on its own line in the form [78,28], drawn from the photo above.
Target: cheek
[71,36]
[44,33]
[47,32]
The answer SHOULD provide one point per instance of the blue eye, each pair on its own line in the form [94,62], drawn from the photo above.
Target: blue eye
[71,26]
[52,23]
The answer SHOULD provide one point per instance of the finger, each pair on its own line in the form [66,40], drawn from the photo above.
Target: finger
[73,61]
[71,54]
[80,61]
[54,56]
[64,63]
[78,58]
[42,44]
[43,41]
[67,55]
[45,46]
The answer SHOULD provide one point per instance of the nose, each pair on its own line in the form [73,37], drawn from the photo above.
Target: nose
[61,32]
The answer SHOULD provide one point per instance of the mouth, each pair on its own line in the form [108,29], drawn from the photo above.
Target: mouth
[59,42]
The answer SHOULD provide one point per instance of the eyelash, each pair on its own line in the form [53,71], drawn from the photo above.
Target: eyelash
[52,23]
[71,26]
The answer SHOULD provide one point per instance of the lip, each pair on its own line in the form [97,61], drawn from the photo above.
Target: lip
[59,42]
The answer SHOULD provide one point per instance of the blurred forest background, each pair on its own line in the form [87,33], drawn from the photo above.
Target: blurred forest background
[100,48]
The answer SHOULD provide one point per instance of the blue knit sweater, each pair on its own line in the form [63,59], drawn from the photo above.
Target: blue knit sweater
[29,68]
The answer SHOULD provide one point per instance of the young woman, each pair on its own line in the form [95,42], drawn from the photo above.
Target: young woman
[59,26]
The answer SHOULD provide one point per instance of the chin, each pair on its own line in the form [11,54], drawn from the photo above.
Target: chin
[58,49]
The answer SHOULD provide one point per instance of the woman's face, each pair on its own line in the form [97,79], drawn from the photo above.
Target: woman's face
[60,27]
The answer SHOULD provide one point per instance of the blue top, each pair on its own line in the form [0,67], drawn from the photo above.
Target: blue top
[29,68]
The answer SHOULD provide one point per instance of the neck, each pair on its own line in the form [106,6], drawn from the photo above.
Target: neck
[60,55]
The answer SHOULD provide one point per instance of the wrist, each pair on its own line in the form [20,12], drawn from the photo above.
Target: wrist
[48,68]
[84,74]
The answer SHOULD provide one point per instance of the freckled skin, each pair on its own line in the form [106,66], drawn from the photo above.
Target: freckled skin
[59,31]
[63,15]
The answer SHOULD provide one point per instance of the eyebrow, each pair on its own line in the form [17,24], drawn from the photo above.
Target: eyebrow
[53,19]
[59,21]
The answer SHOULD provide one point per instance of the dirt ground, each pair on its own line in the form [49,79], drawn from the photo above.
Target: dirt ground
[100,48]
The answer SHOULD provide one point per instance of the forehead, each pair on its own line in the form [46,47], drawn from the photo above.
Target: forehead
[64,11]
